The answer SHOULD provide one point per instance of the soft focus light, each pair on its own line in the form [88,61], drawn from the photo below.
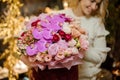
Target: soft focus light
[116,72]
[48,10]
[65,4]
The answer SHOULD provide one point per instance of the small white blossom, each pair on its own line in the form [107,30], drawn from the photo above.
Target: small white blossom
[75,50]
[66,28]
[72,43]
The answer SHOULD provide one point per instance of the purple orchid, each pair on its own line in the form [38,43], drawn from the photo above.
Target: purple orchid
[32,49]
[55,19]
[55,27]
[42,45]
[58,18]
[47,34]
[37,34]
[45,23]
[50,26]
[43,33]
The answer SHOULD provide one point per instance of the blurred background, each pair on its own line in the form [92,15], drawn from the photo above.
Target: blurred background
[14,12]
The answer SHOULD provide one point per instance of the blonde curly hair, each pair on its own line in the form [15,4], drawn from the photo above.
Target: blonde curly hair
[101,12]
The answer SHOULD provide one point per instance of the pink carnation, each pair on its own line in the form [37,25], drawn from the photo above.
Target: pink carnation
[40,57]
[60,56]
[53,49]
[48,58]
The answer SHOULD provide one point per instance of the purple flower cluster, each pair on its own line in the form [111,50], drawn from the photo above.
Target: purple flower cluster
[53,40]
[44,28]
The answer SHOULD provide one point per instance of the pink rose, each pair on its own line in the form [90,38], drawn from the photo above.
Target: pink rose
[61,33]
[75,33]
[62,44]
[55,38]
[84,42]
[68,37]
[53,49]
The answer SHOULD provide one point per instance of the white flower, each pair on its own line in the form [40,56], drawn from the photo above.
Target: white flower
[75,50]
[66,28]
[68,52]
[72,43]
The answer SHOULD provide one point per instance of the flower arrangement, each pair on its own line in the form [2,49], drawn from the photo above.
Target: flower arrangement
[53,41]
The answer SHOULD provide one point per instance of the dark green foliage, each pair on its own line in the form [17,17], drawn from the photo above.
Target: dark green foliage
[113,25]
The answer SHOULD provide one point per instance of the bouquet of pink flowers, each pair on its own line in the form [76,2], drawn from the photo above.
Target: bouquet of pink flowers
[53,41]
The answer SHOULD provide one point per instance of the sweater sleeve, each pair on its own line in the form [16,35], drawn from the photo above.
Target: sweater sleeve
[98,51]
